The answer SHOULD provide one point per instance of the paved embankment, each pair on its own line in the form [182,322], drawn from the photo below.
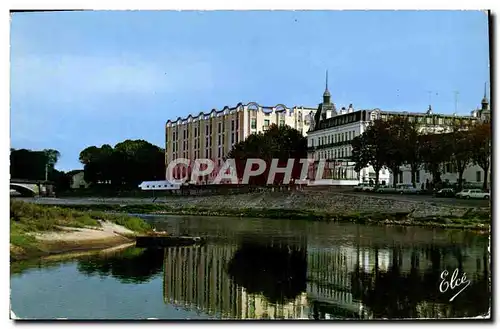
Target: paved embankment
[340,203]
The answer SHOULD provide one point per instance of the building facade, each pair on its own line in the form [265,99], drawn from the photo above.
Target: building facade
[212,135]
[332,131]
[438,123]
[329,138]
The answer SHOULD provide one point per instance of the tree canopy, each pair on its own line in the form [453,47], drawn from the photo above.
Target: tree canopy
[278,142]
[400,141]
[128,163]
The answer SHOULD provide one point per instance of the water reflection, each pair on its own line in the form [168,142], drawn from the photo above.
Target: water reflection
[130,266]
[299,278]
[216,280]
[252,281]
[409,288]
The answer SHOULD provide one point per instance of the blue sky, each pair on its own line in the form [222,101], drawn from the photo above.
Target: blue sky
[91,78]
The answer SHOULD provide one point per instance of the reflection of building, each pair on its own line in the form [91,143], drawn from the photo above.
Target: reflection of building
[329,283]
[342,281]
[196,278]
[256,306]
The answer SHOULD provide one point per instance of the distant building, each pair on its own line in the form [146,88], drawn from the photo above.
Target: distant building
[212,135]
[77,179]
[331,132]
[159,185]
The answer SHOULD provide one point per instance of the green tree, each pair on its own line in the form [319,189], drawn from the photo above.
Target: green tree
[434,151]
[480,138]
[28,164]
[372,147]
[278,142]
[461,148]
[126,165]
[395,156]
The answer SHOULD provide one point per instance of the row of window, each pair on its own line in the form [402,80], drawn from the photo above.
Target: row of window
[334,138]
[430,120]
[253,123]
[341,153]
[208,129]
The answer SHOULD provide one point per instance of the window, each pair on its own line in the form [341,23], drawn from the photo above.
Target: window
[220,127]
[253,124]
[232,139]
[401,177]
[232,125]
[417,176]
[266,123]
[478,176]
[282,122]
[206,130]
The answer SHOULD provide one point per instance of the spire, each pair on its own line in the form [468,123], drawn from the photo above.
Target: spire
[485,99]
[327,84]
[485,105]
[326,94]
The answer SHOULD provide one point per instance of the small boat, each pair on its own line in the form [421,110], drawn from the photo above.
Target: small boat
[163,241]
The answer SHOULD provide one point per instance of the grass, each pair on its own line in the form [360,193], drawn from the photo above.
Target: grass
[28,218]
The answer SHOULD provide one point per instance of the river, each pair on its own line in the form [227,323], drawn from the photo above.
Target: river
[265,269]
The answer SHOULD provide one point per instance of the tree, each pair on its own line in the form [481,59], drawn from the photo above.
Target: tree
[127,164]
[411,148]
[282,143]
[461,148]
[480,139]
[434,151]
[28,164]
[395,156]
[372,147]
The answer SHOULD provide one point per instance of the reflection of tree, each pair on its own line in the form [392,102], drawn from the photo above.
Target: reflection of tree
[130,266]
[277,272]
[393,294]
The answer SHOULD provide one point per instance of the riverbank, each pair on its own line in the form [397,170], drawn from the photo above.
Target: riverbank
[41,230]
[310,205]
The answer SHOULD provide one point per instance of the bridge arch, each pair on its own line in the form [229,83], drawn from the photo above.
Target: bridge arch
[23,189]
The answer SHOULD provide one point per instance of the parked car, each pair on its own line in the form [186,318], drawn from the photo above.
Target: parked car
[445,193]
[360,186]
[408,189]
[368,188]
[473,194]
[386,189]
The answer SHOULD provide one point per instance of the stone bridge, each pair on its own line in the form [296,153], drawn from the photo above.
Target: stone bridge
[31,187]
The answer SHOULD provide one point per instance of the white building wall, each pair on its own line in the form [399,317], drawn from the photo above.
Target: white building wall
[342,133]
[471,175]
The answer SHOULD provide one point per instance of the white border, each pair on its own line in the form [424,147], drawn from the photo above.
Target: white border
[193,5]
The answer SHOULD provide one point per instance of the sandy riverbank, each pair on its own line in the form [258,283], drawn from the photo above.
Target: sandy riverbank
[71,239]
[38,230]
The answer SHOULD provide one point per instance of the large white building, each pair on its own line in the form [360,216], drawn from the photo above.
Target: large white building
[331,132]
